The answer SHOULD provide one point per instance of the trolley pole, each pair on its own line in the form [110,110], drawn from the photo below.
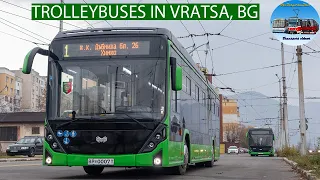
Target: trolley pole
[301,104]
[285,107]
[61,22]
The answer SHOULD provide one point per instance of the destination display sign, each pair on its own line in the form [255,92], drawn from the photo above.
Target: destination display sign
[260,132]
[120,48]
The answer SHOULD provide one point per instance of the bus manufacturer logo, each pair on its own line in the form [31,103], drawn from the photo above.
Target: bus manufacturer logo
[101,140]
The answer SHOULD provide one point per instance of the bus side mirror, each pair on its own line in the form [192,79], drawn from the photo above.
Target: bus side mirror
[28,60]
[176,75]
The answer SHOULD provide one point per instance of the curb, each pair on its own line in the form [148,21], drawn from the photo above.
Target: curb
[303,172]
[22,159]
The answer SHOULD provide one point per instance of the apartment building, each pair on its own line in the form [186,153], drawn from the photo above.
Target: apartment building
[230,116]
[33,90]
[18,94]
[7,90]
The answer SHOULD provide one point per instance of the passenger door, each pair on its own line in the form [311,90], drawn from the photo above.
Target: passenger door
[39,146]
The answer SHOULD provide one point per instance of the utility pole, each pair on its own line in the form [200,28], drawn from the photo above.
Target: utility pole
[281,134]
[285,107]
[301,103]
[61,22]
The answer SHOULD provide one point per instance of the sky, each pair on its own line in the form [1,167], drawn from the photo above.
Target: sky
[256,52]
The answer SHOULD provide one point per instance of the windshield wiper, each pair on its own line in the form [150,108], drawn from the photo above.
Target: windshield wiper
[72,120]
[132,118]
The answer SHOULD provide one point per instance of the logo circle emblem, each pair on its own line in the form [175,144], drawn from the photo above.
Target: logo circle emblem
[295,23]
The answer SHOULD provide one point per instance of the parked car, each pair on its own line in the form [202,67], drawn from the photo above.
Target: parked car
[233,149]
[27,146]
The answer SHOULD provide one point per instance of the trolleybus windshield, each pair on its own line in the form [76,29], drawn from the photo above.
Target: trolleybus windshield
[91,82]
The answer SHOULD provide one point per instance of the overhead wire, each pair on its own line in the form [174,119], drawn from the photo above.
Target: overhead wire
[22,32]
[191,37]
[29,19]
[230,22]
[30,10]
[254,69]
[91,24]
[36,43]
[25,29]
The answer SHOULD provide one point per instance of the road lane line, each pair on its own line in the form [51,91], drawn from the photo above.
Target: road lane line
[20,165]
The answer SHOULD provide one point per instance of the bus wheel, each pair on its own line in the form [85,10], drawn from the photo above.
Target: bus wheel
[210,163]
[94,171]
[181,170]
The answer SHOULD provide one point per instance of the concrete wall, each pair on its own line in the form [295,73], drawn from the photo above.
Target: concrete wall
[23,130]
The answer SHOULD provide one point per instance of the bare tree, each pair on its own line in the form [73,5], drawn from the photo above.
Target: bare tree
[232,132]
[243,138]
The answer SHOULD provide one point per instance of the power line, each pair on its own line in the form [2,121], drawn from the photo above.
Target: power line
[91,24]
[23,39]
[29,19]
[30,10]
[22,32]
[16,5]
[257,86]
[266,67]
[230,22]
[255,44]
[191,37]
[238,99]
[25,29]
[241,40]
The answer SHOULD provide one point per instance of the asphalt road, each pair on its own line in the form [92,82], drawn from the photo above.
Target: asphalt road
[229,167]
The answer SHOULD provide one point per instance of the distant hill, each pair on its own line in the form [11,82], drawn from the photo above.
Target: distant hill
[264,107]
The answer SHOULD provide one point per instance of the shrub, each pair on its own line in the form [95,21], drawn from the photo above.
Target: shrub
[288,152]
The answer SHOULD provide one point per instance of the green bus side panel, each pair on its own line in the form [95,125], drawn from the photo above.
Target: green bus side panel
[200,153]
[175,152]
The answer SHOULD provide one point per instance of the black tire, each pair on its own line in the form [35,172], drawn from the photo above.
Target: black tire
[210,163]
[31,153]
[93,170]
[182,169]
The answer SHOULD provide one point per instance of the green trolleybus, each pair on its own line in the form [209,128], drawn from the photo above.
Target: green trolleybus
[126,97]
[261,141]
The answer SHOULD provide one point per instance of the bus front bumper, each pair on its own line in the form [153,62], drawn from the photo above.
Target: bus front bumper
[154,158]
[261,153]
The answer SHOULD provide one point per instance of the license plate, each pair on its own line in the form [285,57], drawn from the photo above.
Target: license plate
[106,162]
[13,151]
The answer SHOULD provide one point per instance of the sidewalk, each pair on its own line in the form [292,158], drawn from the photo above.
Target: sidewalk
[37,158]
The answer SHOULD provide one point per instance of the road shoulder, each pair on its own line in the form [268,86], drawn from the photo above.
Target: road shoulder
[304,173]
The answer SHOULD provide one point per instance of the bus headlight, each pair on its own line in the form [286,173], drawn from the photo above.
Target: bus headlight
[157,161]
[54,145]
[48,160]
